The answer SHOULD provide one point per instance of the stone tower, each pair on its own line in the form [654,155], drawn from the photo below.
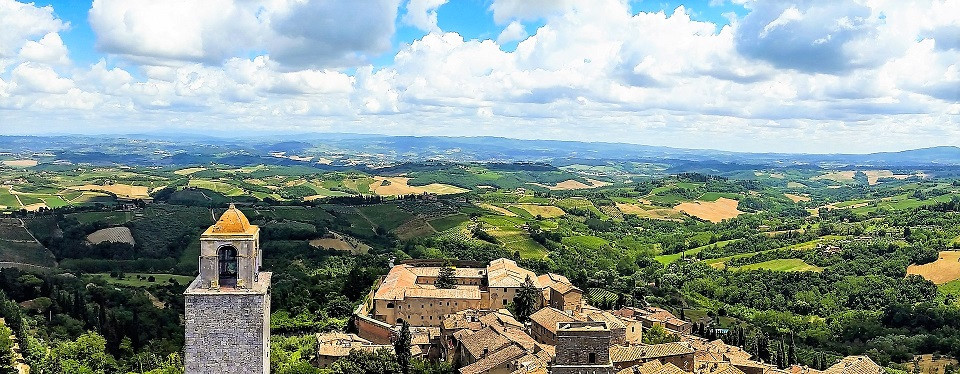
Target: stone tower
[227,314]
[583,348]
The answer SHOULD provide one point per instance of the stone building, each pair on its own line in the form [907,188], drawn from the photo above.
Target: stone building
[559,293]
[408,293]
[582,348]
[227,314]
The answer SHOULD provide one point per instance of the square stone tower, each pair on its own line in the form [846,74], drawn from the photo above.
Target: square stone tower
[227,314]
[583,348]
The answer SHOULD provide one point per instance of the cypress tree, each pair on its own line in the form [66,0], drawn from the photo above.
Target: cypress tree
[402,348]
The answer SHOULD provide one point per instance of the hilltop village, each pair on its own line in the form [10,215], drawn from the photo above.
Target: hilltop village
[468,323]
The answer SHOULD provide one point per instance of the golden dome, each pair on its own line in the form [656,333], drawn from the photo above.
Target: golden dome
[231,222]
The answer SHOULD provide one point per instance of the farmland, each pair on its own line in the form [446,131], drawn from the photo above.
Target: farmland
[945,269]
[714,211]
[731,247]
[792,264]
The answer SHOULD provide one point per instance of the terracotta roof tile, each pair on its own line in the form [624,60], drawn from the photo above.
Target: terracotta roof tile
[505,273]
[855,365]
[495,359]
[487,338]
[549,318]
[620,353]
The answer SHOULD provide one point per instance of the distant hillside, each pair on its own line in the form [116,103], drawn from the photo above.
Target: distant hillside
[363,151]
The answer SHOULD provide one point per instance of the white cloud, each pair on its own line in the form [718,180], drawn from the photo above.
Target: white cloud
[422,14]
[30,78]
[175,30]
[21,22]
[49,50]
[296,33]
[513,32]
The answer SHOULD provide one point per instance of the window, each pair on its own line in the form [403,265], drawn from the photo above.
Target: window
[593,358]
[228,263]
[390,305]
[504,301]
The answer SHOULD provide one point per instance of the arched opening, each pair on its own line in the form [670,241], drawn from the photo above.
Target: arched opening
[390,305]
[228,266]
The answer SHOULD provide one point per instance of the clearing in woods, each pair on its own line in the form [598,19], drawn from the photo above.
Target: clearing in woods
[713,211]
[797,198]
[121,190]
[393,186]
[944,269]
[341,243]
[112,235]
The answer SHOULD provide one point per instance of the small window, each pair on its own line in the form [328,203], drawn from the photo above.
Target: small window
[504,301]
[390,305]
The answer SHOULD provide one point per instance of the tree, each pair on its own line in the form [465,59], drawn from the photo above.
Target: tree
[657,335]
[525,302]
[360,362]
[6,350]
[445,279]
[792,352]
[85,355]
[401,348]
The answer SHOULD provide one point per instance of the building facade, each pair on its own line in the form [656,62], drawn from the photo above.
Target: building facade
[227,307]
[583,348]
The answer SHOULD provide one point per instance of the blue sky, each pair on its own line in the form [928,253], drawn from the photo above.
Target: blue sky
[778,75]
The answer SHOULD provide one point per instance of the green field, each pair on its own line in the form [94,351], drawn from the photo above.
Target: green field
[786,264]
[805,245]
[951,289]
[714,196]
[448,222]
[133,279]
[668,259]
[225,188]
[8,200]
[386,216]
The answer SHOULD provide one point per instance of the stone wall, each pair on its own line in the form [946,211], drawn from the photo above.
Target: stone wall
[227,333]
[373,330]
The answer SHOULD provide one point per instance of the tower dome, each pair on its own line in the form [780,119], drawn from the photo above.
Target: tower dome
[231,222]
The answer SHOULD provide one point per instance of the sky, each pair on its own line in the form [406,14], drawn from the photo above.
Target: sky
[811,76]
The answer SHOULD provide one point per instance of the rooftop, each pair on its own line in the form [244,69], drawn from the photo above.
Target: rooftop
[855,365]
[619,353]
[549,318]
[506,273]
